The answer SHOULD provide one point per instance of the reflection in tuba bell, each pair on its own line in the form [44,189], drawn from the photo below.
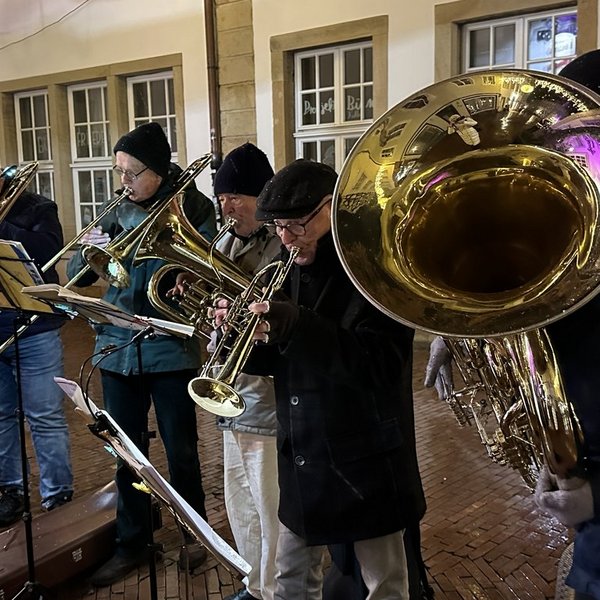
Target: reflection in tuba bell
[463,212]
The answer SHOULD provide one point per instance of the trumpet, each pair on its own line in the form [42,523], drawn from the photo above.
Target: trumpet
[213,389]
[107,262]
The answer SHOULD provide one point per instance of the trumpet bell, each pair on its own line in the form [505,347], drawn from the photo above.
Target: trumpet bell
[217,397]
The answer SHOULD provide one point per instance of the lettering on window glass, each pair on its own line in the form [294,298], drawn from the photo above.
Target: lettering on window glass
[309,109]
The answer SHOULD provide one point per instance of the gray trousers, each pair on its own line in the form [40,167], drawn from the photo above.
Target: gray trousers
[299,568]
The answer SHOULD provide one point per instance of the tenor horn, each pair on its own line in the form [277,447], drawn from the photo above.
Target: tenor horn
[170,236]
[464,212]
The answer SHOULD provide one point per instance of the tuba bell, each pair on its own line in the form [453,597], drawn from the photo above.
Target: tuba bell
[470,210]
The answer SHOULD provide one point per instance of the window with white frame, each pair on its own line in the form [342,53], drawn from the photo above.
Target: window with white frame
[91,160]
[541,41]
[334,100]
[33,139]
[152,98]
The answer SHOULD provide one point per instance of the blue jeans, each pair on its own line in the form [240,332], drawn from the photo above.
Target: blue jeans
[41,359]
[128,403]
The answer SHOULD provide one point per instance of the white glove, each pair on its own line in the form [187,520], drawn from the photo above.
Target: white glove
[95,237]
[568,500]
[439,368]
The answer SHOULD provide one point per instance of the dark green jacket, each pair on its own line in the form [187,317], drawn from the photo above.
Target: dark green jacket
[162,353]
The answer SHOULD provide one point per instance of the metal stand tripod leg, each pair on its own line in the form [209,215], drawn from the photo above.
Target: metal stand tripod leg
[31,588]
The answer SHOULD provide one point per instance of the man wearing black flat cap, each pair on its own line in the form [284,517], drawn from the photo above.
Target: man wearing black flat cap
[347,462]
[143,162]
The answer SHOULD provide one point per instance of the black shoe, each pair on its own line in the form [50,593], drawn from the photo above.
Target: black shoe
[191,556]
[118,567]
[55,501]
[12,506]
[243,594]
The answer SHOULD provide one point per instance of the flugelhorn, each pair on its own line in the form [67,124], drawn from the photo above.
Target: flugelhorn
[213,389]
[107,262]
[458,213]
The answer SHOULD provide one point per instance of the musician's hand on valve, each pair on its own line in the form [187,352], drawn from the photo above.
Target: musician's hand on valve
[182,283]
[439,368]
[570,500]
[218,313]
[277,322]
[95,237]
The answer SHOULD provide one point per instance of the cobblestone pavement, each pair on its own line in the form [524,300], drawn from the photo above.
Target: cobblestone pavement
[482,537]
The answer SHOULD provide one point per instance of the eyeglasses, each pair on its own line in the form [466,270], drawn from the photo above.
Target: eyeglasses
[298,229]
[129,175]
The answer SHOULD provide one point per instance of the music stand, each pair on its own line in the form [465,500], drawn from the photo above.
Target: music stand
[99,311]
[108,430]
[18,270]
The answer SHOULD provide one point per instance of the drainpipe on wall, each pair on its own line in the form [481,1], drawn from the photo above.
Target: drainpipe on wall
[213,86]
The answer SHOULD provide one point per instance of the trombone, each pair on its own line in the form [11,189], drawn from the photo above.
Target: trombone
[107,262]
[109,207]
[213,388]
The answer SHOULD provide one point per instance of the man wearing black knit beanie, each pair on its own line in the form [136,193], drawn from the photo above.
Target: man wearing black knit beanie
[249,443]
[143,163]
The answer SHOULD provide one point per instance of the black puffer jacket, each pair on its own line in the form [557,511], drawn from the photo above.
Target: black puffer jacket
[33,221]
[346,442]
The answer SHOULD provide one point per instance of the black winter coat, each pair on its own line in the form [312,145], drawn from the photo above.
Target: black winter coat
[346,443]
[574,340]
[33,221]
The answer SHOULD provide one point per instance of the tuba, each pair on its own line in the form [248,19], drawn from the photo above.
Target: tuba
[471,210]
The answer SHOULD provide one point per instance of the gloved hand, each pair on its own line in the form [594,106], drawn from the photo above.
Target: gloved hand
[439,368]
[568,500]
[278,320]
[95,237]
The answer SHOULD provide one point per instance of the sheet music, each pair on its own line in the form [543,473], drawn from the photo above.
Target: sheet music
[100,311]
[159,486]
[17,269]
